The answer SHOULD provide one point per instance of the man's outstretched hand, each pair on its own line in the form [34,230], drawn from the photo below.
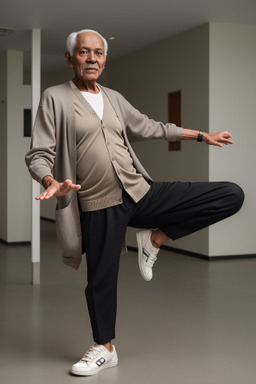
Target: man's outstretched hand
[218,138]
[54,188]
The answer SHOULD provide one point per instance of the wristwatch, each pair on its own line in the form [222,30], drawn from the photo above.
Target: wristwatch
[200,136]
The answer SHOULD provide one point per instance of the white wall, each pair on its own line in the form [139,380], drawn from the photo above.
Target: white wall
[3,145]
[215,68]
[145,78]
[16,225]
[232,107]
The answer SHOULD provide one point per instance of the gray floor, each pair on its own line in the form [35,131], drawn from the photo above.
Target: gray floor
[195,323]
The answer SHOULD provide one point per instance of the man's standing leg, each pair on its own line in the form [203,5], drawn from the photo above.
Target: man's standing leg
[103,231]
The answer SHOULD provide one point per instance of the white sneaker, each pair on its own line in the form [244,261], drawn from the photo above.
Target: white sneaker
[147,254]
[96,359]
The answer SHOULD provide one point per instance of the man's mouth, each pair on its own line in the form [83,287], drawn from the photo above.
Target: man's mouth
[91,69]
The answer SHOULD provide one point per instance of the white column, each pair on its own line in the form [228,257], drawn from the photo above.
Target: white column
[36,85]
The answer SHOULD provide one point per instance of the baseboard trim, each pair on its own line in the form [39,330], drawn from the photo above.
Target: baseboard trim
[135,249]
[22,243]
[47,219]
[15,243]
[199,255]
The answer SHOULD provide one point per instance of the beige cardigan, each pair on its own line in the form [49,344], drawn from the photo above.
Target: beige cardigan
[53,152]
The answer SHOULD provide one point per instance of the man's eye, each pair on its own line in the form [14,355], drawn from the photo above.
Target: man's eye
[99,53]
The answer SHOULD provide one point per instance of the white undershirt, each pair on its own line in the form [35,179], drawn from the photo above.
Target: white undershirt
[96,102]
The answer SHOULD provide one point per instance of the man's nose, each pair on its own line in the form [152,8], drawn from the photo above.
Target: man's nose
[91,57]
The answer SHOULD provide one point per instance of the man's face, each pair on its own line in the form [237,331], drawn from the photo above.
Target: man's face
[88,59]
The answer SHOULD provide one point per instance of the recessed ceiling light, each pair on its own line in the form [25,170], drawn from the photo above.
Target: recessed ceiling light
[6,31]
[112,38]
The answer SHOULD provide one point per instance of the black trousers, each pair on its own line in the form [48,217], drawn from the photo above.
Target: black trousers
[178,209]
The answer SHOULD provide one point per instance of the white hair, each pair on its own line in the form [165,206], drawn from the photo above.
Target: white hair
[71,40]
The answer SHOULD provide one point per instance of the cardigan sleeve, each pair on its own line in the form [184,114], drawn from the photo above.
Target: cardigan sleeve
[140,127]
[41,156]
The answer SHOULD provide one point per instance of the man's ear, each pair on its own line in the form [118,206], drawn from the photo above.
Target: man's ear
[68,58]
[105,62]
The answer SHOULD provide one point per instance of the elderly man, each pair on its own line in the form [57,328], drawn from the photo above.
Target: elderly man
[83,131]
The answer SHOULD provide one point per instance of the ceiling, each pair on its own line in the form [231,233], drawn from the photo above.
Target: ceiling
[134,23]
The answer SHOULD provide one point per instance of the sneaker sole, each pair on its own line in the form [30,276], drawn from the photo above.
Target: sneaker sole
[140,257]
[80,372]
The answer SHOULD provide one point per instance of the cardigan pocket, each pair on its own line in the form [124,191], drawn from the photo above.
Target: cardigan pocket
[69,233]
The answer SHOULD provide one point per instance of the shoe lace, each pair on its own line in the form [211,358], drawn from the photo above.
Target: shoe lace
[92,352]
[151,260]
